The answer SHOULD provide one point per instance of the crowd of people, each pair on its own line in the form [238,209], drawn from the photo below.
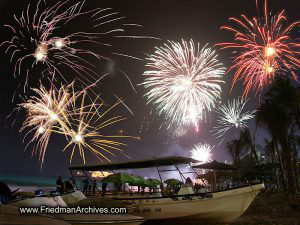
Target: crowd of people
[89,187]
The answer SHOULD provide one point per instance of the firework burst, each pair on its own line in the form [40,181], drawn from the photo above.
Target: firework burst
[86,131]
[45,37]
[183,81]
[232,116]
[65,111]
[265,49]
[179,132]
[47,112]
[202,152]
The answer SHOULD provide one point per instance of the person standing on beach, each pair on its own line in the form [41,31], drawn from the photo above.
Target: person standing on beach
[104,186]
[162,187]
[59,185]
[90,188]
[94,186]
[85,186]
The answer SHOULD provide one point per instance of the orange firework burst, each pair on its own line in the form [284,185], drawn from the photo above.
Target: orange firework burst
[86,130]
[64,111]
[265,49]
[48,112]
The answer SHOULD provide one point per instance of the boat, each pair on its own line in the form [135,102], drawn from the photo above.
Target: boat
[223,206]
[214,206]
[77,198]
[11,215]
[29,199]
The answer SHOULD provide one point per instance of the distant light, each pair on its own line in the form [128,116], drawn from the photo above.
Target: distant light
[100,174]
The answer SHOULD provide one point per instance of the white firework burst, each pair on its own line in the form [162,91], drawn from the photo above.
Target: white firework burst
[183,81]
[202,152]
[231,115]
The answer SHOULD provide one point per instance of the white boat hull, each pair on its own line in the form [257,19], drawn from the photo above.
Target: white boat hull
[40,201]
[224,206]
[73,198]
[64,200]
[88,219]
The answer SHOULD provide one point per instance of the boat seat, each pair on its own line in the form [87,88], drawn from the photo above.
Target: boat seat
[185,190]
[25,194]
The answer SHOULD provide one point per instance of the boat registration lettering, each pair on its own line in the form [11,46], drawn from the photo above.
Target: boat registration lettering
[142,210]
[146,210]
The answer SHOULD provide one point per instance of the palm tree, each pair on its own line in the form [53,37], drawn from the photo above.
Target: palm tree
[269,148]
[249,143]
[288,97]
[278,118]
[294,142]
[272,151]
[235,148]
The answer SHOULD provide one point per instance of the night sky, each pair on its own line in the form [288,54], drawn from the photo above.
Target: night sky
[165,19]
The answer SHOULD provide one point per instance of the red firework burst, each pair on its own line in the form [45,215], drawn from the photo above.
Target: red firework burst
[265,48]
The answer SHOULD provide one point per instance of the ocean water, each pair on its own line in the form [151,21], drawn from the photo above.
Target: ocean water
[28,181]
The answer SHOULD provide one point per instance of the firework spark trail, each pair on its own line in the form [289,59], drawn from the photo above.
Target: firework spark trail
[183,81]
[231,115]
[86,130]
[202,152]
[265,49]
[33,38]
[34,41]
[58,111]
[47,112]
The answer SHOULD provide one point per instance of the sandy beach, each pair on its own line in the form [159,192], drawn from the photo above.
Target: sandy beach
[270,209]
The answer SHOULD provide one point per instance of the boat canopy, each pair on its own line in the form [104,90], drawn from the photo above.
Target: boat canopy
[155,162]
[214,165]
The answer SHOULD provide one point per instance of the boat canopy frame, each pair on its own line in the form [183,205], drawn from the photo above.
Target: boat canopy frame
[140,164]
[137,164]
